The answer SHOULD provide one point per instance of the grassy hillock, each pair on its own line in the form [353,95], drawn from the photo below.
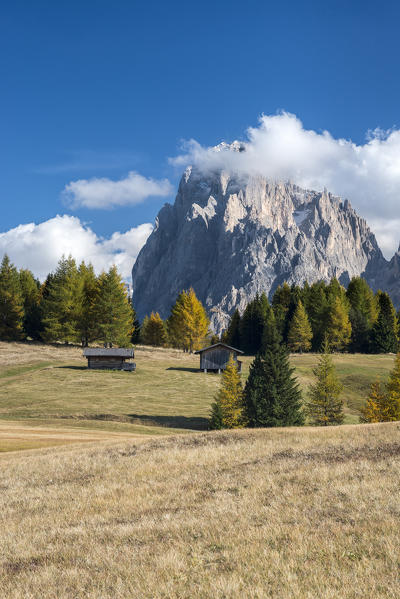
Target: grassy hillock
[284,513]
[49,397]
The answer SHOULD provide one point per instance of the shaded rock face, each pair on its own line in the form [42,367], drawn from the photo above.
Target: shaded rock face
[230,237]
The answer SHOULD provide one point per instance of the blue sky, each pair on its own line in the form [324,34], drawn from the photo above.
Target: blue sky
[99,89]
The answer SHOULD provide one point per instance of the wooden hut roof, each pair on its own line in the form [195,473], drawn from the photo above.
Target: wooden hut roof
[115,352]
[239,351]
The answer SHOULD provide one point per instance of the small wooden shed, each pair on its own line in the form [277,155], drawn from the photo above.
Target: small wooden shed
[113,358]
[216,357]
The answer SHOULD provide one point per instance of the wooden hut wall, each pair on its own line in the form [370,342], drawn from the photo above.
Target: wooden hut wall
[215,359]
[107,362]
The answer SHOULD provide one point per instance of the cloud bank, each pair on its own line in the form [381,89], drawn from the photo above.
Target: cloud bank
[282,149]
[104,193]
[39,247]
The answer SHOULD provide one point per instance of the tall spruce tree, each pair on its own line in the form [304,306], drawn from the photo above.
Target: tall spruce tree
[136,326]
[87,323]
[11,302]
[61,303]
[228,411]
[272,396]
[385,330]
[281,302]
[188,323]
[31,296]
[300,332]
[232,333]
[113,310]
[317,308]
[338,330]
[363,314]
[324,406]
[252,324]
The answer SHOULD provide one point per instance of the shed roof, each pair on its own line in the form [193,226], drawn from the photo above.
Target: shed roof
[200,351]
[115,352]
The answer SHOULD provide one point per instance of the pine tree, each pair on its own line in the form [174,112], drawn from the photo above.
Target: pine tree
[62,303]
[31,296]
[113,310]
[252,324]
[11,302]
[324,406]
[281,301]
[385,330]
[154,331]
[232,333]
[363,314]
[316,308]
[87,324]
[272,396]
[338,330]
[227,410]
[136,327]
[188,323]
[300,332]
[374,407]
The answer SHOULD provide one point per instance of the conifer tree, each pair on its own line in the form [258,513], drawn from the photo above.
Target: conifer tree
[11,302]
[113,310]
[374,408]
[87,323]
[324,406]
[300,332]
[252,324]
[317,307]
[136,327]
[272,396]
[232,333]
[62,303]
[281,301]
[31,296]
[227,410]
[188,323]
[154,331]
[363,314]
[338,330]
[385,330]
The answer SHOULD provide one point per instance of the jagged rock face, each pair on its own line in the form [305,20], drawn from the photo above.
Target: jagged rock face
[230,237]
[389,279]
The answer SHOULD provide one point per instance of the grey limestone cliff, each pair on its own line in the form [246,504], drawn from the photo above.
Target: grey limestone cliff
[231,236]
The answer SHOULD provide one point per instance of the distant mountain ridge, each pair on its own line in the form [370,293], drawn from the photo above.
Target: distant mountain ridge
[231,236]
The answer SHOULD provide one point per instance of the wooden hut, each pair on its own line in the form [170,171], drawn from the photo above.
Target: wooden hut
[113,358]
[216,357]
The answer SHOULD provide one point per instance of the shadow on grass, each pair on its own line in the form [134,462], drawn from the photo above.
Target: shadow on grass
[73,367]
[183,369]
[189,422]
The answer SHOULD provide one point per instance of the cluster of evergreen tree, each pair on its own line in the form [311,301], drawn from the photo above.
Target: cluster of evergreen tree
[355,319]
[73,305]
[271,396]
[185,328]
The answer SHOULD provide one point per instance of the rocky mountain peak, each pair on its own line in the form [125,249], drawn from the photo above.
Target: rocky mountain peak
[231,236]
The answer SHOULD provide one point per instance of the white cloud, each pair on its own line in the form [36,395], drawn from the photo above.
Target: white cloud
[39,247]
[105,193]
[280,148]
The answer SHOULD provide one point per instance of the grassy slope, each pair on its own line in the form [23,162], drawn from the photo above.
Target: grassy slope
[50,386]
[285,513]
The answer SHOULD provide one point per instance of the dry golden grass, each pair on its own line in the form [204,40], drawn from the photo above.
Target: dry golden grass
[285,513]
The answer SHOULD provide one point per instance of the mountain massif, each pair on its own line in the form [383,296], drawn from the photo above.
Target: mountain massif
[231,236]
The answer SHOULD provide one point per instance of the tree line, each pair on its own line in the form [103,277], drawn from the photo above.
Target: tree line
[73,305]
[271,395]
[355,319]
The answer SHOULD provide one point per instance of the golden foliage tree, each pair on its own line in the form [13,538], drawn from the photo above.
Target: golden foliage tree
[338,329]
[153,331]
[300,332]
[228,411]
[374,406]
[383,405]
[188,323]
